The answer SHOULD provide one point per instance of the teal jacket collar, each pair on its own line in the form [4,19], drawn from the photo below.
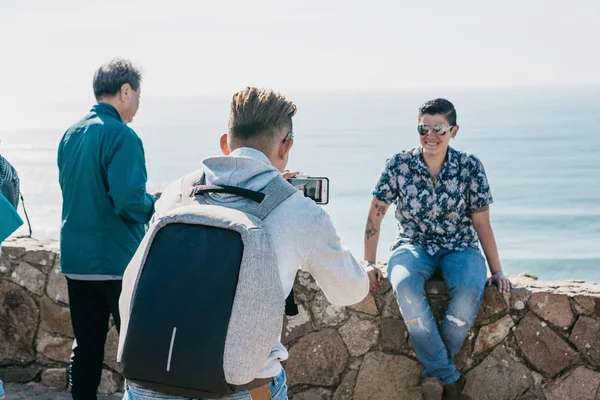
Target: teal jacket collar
[107,109]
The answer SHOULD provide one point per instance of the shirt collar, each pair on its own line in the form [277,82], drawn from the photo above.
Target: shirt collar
[452,158]
[105,108]
[417,161]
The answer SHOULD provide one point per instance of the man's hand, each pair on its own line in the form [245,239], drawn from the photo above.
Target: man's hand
[288,175]
[375,276]
[503,283]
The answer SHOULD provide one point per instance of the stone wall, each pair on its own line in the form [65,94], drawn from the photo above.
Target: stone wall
[36,336]
[542,341]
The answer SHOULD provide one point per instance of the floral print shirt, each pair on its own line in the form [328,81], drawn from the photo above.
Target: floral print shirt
[434,214]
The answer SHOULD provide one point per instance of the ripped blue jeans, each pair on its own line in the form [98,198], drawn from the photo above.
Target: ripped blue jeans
[464,272]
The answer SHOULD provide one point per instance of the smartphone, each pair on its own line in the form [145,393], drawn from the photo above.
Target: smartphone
[317,188]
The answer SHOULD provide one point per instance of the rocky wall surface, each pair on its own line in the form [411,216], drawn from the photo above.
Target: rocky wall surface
[36,336]
[541,341]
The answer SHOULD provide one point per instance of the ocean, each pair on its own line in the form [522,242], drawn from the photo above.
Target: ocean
[540,148]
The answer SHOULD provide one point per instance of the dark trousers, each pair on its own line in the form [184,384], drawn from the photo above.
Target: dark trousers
[91,303]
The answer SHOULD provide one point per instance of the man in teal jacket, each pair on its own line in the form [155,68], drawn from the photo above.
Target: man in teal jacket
[102,174]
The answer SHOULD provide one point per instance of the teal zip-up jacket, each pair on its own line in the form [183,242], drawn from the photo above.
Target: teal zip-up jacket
[102,175]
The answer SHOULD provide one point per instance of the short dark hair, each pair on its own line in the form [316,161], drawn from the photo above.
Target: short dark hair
[109,78]
[256,113]
[439,106]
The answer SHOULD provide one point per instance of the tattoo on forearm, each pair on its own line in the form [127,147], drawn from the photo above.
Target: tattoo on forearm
[380,209]
[370,231]
[482,209]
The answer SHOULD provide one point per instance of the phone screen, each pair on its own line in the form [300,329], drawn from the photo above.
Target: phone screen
[315,188]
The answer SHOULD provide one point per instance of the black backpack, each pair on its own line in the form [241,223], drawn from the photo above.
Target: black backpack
[221,303]
[10,187]
[9,182]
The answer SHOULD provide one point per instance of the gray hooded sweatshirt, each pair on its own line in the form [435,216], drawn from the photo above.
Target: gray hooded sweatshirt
[302,234]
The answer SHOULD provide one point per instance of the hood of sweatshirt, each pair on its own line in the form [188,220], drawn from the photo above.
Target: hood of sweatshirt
[245,167]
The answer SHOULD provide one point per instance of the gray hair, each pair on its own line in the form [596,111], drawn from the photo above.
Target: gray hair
[109,78]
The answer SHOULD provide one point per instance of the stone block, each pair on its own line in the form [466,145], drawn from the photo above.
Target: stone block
[493,304]
[57,286]
[438,306]
[56,348]
[11,251]
[393,334]
[535,393]
[301,295]
[436,287]
[18,323]
[554,308]
[367,306]
[313,394]
[5,270]
[542,347]
[20,375]
[498,377]
[389,306]
[586,337]
[110,382]
[518,299]
[55,318]
[386,285]
[110,349]
[297,325]
[580,384]
[463,359]
[317,359]
[588,304]
[55,377]
[492,334]
[41,258]
[6,265]
[305,280]
[325,313]
[523,280]
[346,389]
[355,363]
[359,335]
[384,376]
[29,277]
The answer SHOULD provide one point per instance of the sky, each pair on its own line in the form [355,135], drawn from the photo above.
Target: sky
[186,49]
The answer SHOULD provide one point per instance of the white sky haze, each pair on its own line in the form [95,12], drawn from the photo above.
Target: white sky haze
[49,50]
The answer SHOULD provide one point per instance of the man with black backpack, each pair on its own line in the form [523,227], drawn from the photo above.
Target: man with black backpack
[203,298]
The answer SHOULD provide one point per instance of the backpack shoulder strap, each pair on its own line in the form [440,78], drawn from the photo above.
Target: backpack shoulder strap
[188,183]
[276,192]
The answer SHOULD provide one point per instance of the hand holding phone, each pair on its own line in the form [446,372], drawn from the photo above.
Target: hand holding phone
[316,188]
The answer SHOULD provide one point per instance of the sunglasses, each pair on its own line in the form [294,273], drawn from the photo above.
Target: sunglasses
[439,130]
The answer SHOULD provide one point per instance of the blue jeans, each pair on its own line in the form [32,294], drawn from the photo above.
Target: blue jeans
[278,392]
[464,272]
[1,390]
